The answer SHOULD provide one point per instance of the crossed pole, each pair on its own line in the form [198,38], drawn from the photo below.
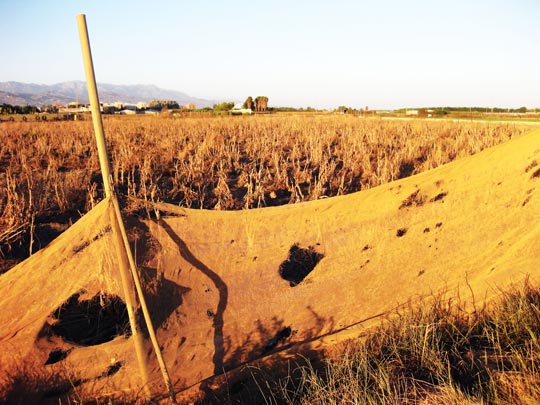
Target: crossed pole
[125,256]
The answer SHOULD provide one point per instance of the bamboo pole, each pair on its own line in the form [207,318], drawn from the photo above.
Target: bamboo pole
[130,302]
[94,105]
[124,251]
[109,193]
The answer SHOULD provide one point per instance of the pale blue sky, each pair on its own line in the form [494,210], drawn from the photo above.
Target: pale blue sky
[386,54]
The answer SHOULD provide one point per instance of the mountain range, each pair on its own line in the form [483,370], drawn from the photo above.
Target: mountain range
[17,93]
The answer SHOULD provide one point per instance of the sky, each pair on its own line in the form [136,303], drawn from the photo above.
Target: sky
[382,55]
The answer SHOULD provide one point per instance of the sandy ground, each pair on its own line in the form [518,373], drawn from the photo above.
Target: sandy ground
[226,289]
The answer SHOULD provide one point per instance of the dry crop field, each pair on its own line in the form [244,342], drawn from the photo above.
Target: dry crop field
[49,171]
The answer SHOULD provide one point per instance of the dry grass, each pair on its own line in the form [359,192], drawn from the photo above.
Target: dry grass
[434,354]
[50,174]
[50,170]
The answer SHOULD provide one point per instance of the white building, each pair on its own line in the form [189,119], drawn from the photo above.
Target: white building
[239,109]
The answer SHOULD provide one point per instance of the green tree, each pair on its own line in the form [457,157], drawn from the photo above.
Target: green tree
[156,105]
[6,109]
[171,105]
[248,103]
[261,103]
[163,104]
[48,108]
[224,106]
[28,109]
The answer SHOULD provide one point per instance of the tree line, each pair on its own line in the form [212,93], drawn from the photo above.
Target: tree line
[163,105]
[447,110]
[18,109]
[260,103]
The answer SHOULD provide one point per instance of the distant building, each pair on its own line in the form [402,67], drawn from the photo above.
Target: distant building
[131,107]
[411,112]
[127,112]
[75,107]
[239,109]
[151,112]
[74,104]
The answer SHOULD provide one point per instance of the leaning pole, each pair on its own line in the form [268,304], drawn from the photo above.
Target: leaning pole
[125,256]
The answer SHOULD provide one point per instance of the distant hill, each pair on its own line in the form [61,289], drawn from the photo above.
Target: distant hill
[17,93]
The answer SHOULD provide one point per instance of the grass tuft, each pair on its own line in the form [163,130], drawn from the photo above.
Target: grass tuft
[433,354]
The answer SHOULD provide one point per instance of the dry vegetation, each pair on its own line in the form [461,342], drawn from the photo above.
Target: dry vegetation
[444,353]
[49,171]
[441,353]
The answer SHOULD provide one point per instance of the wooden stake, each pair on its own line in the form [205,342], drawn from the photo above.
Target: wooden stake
[125,257]
[94,105]
[109,193]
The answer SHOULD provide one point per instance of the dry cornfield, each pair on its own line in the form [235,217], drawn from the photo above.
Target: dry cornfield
[49,171]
